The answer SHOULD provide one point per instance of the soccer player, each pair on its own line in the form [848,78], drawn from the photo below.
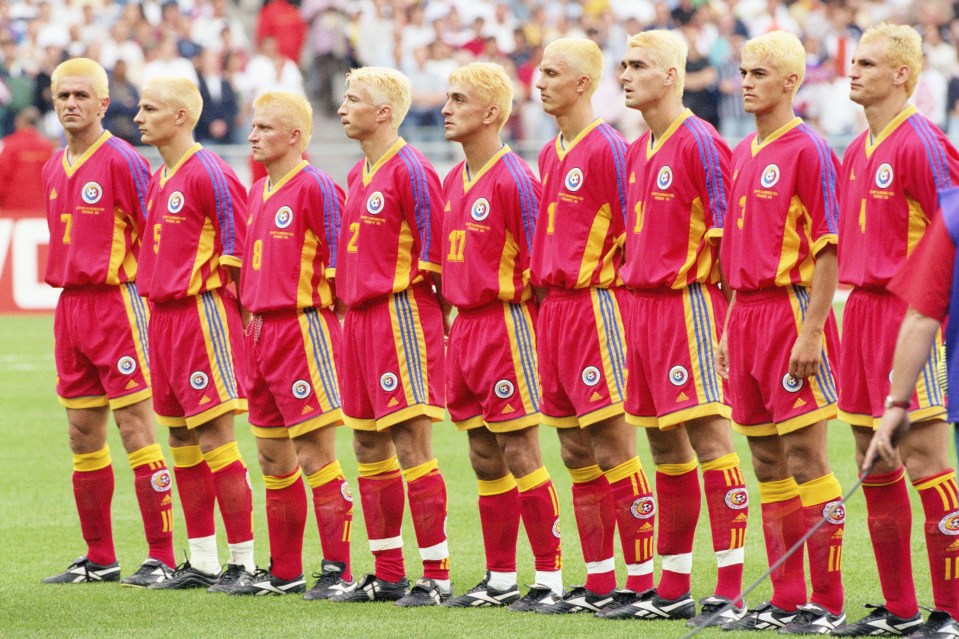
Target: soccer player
[492,390]
[96,194]
[196,214]
[580,344]
[779,256]
[292,342]
[391,374]
[891,174]
[678,184]
[927,283]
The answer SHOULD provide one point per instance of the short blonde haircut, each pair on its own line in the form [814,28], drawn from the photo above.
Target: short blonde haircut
[387,87]
[903,47]
[180,93]
[782,50]
[82,68]
[294,110]
[667,49]
[582,57]
[492,84]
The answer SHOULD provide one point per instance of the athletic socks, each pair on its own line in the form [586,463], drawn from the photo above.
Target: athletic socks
[333,505]
[93,485]
[381,493]
[596,523]
[499,509]
[890,529]
[539,506]
[235,500]
[153,484]
[940,502]
[286,521]
[822,497]
[728,505]
[194,484]
[635,513]
[783,526]
[426,491]
[679,499]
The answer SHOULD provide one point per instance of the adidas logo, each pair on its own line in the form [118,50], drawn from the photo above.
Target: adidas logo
[166,500]
[53,194]
[307,409]
[837,534]
[953,546]
[448,207]
[595,397]
[205,400]
[632,178]
[132,384]
[508,409]
[799,402]
[647,527]
[682,397]
[392,402]
[741,518]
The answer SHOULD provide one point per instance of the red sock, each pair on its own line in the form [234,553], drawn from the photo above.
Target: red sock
[152,482]
[783,526]
[679,499]
[596,523]
[728,505]
[194,484]
[540,510]
[93,492]
[824,548]
[426,491]
[286,520]
[890,528]
[499,518]
[233,494]
[635,513]
[940,502]
[381,493]
[333,505]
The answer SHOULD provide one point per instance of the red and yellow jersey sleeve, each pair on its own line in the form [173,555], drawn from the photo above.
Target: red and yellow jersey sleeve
[392,226]
[784,208]
[676,206]
[196,227]
[582,211]
[889,196]
[291,241]
[95,209]
[488,223]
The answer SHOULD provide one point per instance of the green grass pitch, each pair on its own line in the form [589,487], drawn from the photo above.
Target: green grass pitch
[40,535]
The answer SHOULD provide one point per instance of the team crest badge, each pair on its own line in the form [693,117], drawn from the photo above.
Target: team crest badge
[664,179]
[127,365]
[791,384]
[345,492]
[301,389]
[678,375]
[375,203]
[737,498]
[388,382]
[504,389]
[91,193]
[884,175]
[770,176]
[175,203]
[591,376]
[835,513]
[574,180]
[480,210]
[556,528]
[283,217]
[643,508]
[199,380]
[949,525]
[160,481]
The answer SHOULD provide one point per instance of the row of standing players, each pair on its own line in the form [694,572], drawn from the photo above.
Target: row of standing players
[610,264]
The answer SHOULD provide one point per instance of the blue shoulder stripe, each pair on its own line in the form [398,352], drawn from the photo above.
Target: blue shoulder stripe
[709,155]
[935,154]
[827,178]
[331,211]
[527,196]
[618,147]
[224,201]
[140,175]
[421,197]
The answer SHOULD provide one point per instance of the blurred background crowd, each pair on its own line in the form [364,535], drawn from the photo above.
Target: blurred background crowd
[237,49]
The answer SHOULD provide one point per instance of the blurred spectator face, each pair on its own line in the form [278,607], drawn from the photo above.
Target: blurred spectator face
[358,113]
[642,80]
[78,108]
[269,48]
[270,137]
[871,75]
[464,112]
[763,85]
[557,84]
[210,63]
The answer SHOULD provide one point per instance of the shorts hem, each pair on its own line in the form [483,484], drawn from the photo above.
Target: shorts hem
[600,414]
[358,423]
[568,421]
[131,399]
[435,413]
[642,421]
[513,425]
[470,423]
[88,401]
[807,419]
[676,419]
[236,406]
[332,418]
[925,414]
[755,430]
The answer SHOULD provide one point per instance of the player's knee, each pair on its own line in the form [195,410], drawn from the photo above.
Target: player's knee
[180,436]
[806,463]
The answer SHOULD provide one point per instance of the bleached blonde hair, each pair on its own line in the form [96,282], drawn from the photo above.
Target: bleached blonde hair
[387,87]
[180,93]
[294,110]
[667,49]
[582,57]
[903,47]
[83,68]
[492,84]
[782,50]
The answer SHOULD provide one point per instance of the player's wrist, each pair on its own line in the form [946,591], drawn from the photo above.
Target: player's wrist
[893,403]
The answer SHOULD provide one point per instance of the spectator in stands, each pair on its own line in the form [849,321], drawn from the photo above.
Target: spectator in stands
[22,157]
[220,105]
[282,21]
[330,51]
[165,60]
[124,100]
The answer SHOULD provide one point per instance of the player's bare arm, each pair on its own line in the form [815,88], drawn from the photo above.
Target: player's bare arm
[806,354]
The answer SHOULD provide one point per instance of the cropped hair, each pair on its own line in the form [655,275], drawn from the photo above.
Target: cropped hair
[386,86]
[667,49]
[903,47]
[294,110]
[84,68]
[179,92]
[782,50]
[492,84]
[582,57]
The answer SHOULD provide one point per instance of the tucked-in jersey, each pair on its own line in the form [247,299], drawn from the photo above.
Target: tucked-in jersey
[582,211]
[889,195]
[196,225]
[96,206]
[291,241]
[676,205]
[488,224]
[392,221]
[783,208]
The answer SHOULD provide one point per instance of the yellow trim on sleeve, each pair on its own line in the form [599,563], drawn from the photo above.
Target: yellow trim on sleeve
[536,478]
[824,241]
[583,475]
[147,455]
[496,486]
[89,462]
[422,470]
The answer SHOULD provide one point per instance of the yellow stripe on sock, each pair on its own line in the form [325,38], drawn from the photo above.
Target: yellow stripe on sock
[424,469]
[674,470]
[378,468]
[726,462]
[274,482]
[186,456]
[146,455]
[583,475]
[627,468]
[536,478]
[222,456]
[496,486]
[89,462]
[819,491]
[781,490]
[325,475]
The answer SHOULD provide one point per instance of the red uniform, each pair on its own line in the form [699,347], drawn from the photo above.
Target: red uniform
[22,156]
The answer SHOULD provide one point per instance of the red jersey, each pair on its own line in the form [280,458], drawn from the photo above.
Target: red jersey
[488,227]
[676,204]
[925,279]
[22,157]
[195,228]
[392,222]
[95,210]
[582,211]
[292,229]
[889,195]
[785,208]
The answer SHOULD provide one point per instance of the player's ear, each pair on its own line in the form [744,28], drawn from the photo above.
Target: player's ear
[384,113]
[670,79]
[790,82]
[104,105]
[902,74]
[492,114]
[295,136]
[583,84]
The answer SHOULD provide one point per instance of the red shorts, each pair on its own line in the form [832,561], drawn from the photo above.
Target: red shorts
[491,374]
[670,355]
[101,348]
[291,372]
[392,364]
[582,357]
[197,349]
[766,399]
[870,326]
